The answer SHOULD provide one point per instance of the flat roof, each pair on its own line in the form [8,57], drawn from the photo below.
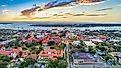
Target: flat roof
[78,55]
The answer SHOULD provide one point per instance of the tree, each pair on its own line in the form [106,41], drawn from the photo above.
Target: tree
[102,48]
[50,43]
[57,64]
[108,57]
[92,50]
[33,43]
[18,39]
[26,62]
[35,50]
[28,36]
[104,44]
[4,58]
[3,64]
[59,47]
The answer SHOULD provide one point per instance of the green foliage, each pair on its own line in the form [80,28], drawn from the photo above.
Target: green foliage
[4,58]
[119,43]
[26,62]
[92,50]
[117,48]
[102,48]
[35,50]
[3,64]
[15,43]
[51,43]
[108,57]
[59,47]
[57,64]
[28,36]
[30,44]
[104,44]
[18,39]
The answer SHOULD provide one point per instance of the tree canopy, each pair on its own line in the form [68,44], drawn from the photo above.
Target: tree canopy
[57,64]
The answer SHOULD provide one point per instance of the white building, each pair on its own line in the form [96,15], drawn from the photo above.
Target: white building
[90,43]
[76,43]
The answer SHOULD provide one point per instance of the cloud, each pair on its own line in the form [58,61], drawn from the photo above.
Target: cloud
[32,11]
[3,5]
[95,14]
[5,11]
[11,0]
[119,5]
[104,9]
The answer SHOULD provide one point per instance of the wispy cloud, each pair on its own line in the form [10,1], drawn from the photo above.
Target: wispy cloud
[3,5]
[5,11]
[119,5]
[30,12]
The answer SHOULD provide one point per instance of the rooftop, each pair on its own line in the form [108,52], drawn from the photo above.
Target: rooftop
[78,55]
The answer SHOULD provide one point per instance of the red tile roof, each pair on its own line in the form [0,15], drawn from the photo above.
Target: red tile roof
[25,53]
[15,50]
[5,52]
[33,56]
[32,39]
[58,53]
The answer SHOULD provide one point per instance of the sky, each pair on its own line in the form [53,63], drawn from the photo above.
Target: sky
[62,10]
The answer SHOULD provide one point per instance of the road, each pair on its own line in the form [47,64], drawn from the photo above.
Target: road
[67,51]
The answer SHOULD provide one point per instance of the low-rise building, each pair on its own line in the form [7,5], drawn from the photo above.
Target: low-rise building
[11,53]
[85,59]
[52,54]
[90,43]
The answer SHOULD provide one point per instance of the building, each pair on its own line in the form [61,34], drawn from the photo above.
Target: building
[76,43]
[11,53]
[25,53]
[96,41]
[6,42]
[82,57]
[32,39]
[52,54]
[90,44]
[85,60]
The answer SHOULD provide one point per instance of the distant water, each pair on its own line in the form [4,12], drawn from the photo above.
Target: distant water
[26,26]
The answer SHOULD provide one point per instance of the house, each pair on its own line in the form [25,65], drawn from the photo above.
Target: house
[33,56]
[2,47]
[32,39]
[76,43]
[49,38]
[96,41]
[8,53]
[50,54]
[89,44]
[102,37]
[6,42]
[39,35]
[45,42]
[25,53]
[15,52]
[55,31]
[11,53]
[56,39]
